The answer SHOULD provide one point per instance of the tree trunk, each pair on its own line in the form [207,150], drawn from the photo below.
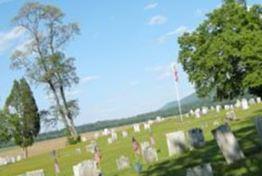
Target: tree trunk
[69,115]
[25,150]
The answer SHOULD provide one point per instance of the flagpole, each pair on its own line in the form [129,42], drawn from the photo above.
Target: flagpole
[177,91]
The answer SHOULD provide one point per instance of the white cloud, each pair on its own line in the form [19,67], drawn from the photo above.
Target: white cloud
[151,6]
[5,1]
[157,20]
[89,78]
[9,38]
[177,32]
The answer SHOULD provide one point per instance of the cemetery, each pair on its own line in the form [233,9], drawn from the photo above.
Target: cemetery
[131,88]
[183,148]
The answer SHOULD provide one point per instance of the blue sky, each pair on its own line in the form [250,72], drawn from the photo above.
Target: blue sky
[123,54]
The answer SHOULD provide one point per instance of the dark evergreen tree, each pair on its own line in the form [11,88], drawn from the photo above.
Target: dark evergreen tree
[24,118]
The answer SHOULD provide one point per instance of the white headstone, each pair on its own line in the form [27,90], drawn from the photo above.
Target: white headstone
[197,113]
[2,161]
[148,152]
[124,134]
[106,132]
[228,144]
[176,142]
[83,139]
[136,128]
[150,122]
[238,104]
[244,104]
[39,172]
[204,110]
[146,126]
[252,101]
[159,119]
[122,163]
[86,168]
[91,147]
[109,140]
[231,115]
[114,136]
[192,112]
[202,170]
[196,137]
[218,108]
[226,107]
[258,99]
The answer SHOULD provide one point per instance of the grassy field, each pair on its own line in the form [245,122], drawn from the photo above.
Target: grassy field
[243,128]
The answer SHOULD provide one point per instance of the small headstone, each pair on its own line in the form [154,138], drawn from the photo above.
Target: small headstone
[114,136]
[226,107]
[231,115]
[244,104]
[204,110]
[39,172]
[176,142]
[238,104]
[78,150]
[106,132]
[109,140]
[2,161]
[202,170]
[218,108]
[136,128]
[212,108]
[122,163]
[159,119]
[18,158]
[86,168]
[196,137]
[227,143]
[83,139]
[91,147]
[148,152]
[258,99]
[124,134]
[150,122]
[258,122]
[252,101]
[192,112]
[197,113]
[146,126]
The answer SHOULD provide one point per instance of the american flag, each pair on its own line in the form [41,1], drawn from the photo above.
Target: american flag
[175,73]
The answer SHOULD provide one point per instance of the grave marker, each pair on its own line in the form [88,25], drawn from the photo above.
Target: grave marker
[196,137]
[202,170]
[122,163]
[39,172]
[136,128]
[148,152]
[176,142]
[227,143]
[86,168]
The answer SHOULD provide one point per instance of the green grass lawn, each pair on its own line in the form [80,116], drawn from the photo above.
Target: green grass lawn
[243,129]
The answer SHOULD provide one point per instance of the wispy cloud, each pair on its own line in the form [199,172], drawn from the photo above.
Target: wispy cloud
[151,6]
[177,32]
[5,1]
[157,20]
[89,78]
[9,38]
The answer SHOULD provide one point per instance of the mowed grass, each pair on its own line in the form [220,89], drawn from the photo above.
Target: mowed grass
[243,129]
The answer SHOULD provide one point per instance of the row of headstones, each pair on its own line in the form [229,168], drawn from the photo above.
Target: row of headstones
[244,104]
[177,143]
[9,160]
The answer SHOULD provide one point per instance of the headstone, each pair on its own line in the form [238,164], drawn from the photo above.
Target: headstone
[197,113]
[146,126]
[226,107]
[196,137]
[244,104]
[187,115]
[227,143]
[176,142]
[218,108]
[159,119]
[39,172]
[231,115]
[136,128]
[114,136]
[2,161]
[109,140]
[204,110]
[238,104]
[202,170]
[124,134]
[91,147]
[86,168]
[122,163]
[83,139]
[148,152]
[18,158]
[212,108]
[252,101]
[106,132]
[150,122]
[13,159]
[216,123]
[258,100]
[258,122]
[192,112]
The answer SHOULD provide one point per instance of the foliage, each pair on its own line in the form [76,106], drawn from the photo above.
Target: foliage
[223,56]
[23,116]
[43,58]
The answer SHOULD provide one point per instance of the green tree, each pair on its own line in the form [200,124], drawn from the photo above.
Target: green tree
[43,59]
[223,56]
[23,116]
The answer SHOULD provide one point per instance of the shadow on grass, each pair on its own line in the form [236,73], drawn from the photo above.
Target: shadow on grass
[250,166]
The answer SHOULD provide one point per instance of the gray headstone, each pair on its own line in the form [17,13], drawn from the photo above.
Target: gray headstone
[122,163]
[148,152]
[252,101]
[228,144]
[196,137]
[91,147]
[136,128]
[39,172]
[176,142]
[86,168]
[258,122]
[202,170]
[231,115]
